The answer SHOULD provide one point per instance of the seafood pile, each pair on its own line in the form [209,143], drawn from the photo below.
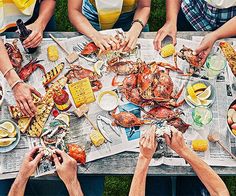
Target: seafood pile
[148,85]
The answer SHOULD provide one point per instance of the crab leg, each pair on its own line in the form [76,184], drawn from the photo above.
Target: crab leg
[115,83]
[179,93]
[172,68]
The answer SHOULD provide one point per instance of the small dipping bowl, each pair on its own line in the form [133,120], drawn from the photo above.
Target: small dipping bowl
[108,100]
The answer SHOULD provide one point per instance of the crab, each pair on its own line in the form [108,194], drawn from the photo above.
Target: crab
[164,113]
[123,67]
[127,120]
[14,54]
[29,68]
[187,54]
[179,124]
[77,72]
[171,116]
[55,137]
[150,86]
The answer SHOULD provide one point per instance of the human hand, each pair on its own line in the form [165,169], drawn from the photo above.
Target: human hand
[23,95]
[169,29]
[176,142]
[36,35]
[205,47]
[131,38]
[148,144]
[66,167]
[105,42]
[30,163]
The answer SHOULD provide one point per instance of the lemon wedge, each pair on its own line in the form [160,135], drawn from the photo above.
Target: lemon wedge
[13,134]
[194,101]
[191,92]
[8,126]
[97,67]
[64,118]
[206,94]
[6,141]
[206,102]
[199,86]
[3,133]
[234,131]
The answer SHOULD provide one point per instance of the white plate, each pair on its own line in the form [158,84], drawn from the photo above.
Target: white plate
[234,102]
[15,143]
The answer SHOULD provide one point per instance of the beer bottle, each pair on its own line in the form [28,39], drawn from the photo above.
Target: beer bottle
[24,34]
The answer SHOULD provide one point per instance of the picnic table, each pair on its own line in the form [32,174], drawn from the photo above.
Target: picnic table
[124,163]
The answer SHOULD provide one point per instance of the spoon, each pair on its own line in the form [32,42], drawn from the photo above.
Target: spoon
[214,138]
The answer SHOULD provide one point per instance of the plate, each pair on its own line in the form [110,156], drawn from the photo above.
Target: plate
[234,102]
[212,97]
[2,93]
[15,143]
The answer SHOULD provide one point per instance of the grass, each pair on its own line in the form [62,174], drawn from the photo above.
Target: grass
[120,185]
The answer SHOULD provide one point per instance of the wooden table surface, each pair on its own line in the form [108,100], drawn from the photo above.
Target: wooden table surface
[124,163]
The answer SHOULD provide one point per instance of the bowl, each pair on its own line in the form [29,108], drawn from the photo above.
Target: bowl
[212,96]
[15,143]
[2,93]
[108,100]
[228,126]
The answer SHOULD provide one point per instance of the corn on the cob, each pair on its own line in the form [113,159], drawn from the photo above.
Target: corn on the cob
[97,138]
[53,53]
[200,145]
[167,50]
[52,74]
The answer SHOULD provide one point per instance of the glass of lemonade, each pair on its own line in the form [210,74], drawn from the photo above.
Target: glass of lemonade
[215,64]
[201,116]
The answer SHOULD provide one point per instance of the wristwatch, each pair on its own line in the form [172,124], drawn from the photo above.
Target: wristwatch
[139,21]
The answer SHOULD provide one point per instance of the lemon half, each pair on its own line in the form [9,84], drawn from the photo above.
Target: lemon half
[8,126]
[64,118]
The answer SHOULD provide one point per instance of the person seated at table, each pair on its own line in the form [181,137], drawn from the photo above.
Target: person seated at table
[66,168]
[91,16]
[38,15]
[185,185]
[198,15]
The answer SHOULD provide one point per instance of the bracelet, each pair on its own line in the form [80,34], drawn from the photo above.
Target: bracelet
[15,83]
[6,72]
[139,21]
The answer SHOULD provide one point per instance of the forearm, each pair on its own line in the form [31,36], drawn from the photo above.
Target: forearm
[142,13]
[18,187]
[227,30]
[5,65]
[46,11]
[139,179]
[172,10]
[209,178]
[78,20]
[74,188]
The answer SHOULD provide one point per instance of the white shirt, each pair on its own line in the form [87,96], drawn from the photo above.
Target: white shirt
[222,3]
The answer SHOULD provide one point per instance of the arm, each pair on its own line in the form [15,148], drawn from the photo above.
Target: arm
[148,147]
[45,13]
[81,23]
[28,167]
[170,27]
[22,92]
[223,32]
[215,185]
[142,13]
[67,171]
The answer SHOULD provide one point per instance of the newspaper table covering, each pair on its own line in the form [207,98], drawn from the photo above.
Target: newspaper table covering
[128,139]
